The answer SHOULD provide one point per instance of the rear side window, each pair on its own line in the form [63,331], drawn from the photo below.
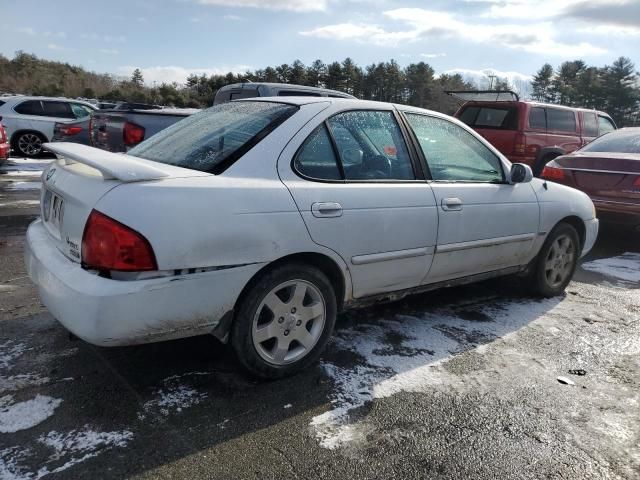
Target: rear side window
[605,125]
[316,158]
[58,109]
[538,118]
[590,124]
[502,118]
[561,120]
[211,140]
[30,107]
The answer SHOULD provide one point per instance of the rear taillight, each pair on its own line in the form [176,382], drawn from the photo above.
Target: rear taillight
[520,145]
[132,134]
[552,173]
[637,182]
[68,131]
[109,245]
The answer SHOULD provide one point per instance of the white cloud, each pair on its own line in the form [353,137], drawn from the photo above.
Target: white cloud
[420,23]
[108,51]
[104,38]
[433,55]
[292,5]
[172,73]
[34,32]
[234,18]
[54,46]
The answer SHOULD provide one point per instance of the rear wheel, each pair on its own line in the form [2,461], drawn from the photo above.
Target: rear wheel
[284,321]
[28,144]
[556,262]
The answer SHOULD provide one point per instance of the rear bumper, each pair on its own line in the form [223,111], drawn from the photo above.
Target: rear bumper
[591,234]
[624,213]
[109,312]
[4,151]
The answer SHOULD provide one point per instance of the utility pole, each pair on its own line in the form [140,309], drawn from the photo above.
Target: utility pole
[491,78]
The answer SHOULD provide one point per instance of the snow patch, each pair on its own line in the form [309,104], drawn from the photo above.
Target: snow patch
[27,414]
[17,382]
[23,173]
[9,351]
[173,397]
[20,203]
[624,267]
[23,186]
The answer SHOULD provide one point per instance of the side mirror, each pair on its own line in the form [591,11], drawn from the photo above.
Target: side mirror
[520,173]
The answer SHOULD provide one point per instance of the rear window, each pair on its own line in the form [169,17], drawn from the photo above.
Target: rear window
[211,140]
[30,107]
[561,120]
[502,118]
[620,141]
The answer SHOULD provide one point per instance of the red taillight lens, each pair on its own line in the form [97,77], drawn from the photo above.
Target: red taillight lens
[637,182]
[552,173]
[110,245]
[132,134]
[70,130]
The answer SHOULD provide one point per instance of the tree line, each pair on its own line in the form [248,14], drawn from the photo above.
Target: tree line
[613,88]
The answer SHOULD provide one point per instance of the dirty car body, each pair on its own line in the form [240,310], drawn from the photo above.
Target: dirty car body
[355,190]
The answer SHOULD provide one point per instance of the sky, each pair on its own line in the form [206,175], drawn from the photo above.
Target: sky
[169,39]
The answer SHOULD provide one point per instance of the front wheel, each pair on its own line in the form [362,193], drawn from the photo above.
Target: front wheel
[284,321]
[556,262]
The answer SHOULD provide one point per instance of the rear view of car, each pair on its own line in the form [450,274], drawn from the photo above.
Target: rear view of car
[608,170]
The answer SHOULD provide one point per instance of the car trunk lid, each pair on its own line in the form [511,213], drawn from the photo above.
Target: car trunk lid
[81,175]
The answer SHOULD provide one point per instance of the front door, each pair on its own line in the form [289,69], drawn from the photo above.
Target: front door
[485,223]
[356,187]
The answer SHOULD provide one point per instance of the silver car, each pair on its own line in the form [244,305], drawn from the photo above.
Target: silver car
[29,121]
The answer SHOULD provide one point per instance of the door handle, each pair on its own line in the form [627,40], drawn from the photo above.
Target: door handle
[326,209]
[451,204]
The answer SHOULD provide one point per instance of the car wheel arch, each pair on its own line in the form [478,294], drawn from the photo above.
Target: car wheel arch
[577,223]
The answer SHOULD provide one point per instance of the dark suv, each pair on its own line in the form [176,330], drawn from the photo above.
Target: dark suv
[530,132]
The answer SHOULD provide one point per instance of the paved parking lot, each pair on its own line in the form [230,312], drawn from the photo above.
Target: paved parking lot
[460,383]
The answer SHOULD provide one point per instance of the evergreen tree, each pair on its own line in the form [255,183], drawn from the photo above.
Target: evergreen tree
[137,78]
[542,84]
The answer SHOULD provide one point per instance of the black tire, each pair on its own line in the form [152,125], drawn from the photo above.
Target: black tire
[539,279]
[539,166]
[28,144]
[242,336]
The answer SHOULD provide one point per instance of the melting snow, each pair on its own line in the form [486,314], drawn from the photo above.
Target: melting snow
[624,267]
[173,396]
[27,414]
[23,186]
[17,382]
[9,351]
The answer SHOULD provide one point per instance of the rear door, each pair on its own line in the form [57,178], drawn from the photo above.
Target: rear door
[562,129]
[485,223]
[361,195]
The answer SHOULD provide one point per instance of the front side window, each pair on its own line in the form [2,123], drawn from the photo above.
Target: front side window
[356,145]
[452,153]
[30,107]
[213,139]
[561,120]
[605,125]
[80,111]
[590,125]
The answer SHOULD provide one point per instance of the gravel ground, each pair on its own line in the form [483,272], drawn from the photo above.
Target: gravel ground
[458,383]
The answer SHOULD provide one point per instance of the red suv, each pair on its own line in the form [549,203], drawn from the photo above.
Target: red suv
[4,144]
[530,132]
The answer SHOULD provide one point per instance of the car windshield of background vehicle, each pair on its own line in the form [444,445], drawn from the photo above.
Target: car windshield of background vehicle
[453,154]
[211,140]
[621,141]
[502,118]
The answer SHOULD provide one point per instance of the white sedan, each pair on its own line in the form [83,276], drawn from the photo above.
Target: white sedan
[258,220]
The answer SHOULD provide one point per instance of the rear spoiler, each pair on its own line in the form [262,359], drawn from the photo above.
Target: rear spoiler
[111,165]
[484,95]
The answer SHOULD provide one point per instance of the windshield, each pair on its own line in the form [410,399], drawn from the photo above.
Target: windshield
[213,139]
[621,141]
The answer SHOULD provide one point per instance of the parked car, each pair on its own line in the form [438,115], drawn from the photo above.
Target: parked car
[530,132]
[128,124]
[4,144]
[122,128]
[75,132]
[258,220]
[237,91]
[30,120]
[608,170]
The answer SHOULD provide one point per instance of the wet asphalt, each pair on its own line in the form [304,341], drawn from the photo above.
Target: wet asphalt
[458,383]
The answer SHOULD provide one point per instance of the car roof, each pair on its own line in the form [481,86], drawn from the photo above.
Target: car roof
[285,86]
[533,103]
[55,99]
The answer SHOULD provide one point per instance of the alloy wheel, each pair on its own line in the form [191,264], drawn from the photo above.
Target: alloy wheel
[288,322]
[30,144]
[559,261]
